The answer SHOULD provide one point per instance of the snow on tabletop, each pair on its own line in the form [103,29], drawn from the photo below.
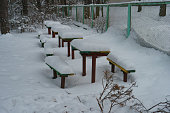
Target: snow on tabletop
[59,64]
[90,45]
[58,28]
[71,34]
[121,60]
[51,23]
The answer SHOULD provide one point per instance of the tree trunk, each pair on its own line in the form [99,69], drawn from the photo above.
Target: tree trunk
[97,8]
[25,7]
[139,7]
[4,17]
[39,5]
[63,2]
[87,9]
[162,11]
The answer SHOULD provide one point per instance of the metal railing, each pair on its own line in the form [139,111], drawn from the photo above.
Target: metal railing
[125,4]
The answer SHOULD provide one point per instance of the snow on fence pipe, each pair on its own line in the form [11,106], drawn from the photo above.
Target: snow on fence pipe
[107,18]
[129,21]
[83,14]
[92,16]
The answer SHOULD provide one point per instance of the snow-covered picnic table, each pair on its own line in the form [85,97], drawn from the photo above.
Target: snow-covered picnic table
[49,24]
[92,48]
[59,28]
[68,36]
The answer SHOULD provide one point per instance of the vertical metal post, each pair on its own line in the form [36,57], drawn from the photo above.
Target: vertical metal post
[92,12]
[63,11]
[107,18]
[76,14]
[58,11]
[68,10]
[83,14]
[129,21]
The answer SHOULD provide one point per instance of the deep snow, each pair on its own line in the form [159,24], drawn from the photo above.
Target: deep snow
[26,84]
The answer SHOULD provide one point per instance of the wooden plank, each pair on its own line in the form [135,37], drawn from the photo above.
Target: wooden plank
[118,65]
[66,75]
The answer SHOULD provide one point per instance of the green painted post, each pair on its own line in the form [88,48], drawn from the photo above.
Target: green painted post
[68,10]
[107,18]
[129,20]
[92,11]
[63,11]
[83,14]
[76,14]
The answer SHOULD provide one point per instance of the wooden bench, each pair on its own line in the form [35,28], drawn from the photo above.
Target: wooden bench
[59,67]
[123,69]
[43,40]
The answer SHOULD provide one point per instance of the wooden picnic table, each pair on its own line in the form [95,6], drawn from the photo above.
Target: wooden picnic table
[68,40]
[94,55]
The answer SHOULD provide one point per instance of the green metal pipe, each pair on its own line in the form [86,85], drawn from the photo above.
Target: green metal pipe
[63,11]
[76,14]
[83,14]
[129,21]
[107,18]
[68,11]
[92,12]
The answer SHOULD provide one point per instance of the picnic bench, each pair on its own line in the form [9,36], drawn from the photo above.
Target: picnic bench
[44,39]
[93,50]
[59,67]
[117,61]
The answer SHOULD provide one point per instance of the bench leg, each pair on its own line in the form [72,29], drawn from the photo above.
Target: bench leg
[112,68]
[42,45]
[59,42]
[54,74]
[84,65]
[72,53]
[125,77]
[49,31]
[62,82]
[93,69]
[62,43]
[68,48]
[53,34]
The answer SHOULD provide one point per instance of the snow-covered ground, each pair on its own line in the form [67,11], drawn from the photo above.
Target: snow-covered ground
[26,85]
[25,80]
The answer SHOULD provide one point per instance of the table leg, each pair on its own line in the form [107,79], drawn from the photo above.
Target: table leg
[49,31]
[62,43]
[93,69]
[72,53]
[59,42]
[68,48]
[53,34]
[84,65]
